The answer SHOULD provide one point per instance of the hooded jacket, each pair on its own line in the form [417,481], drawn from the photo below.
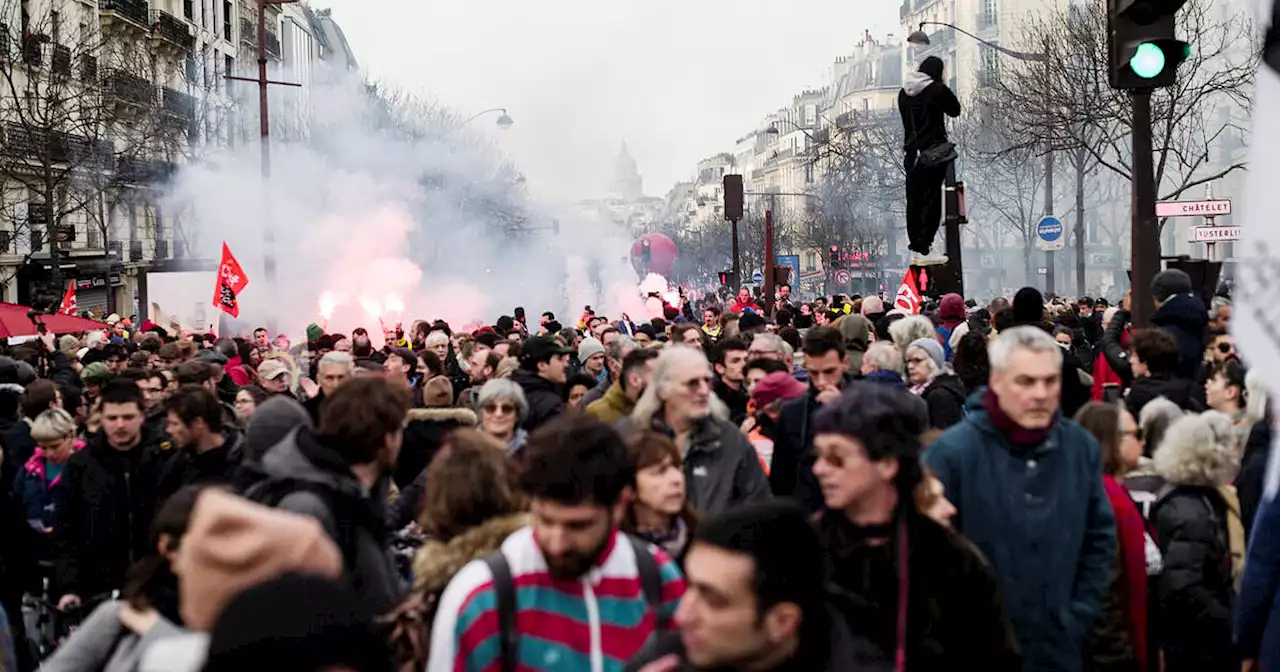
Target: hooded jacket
[1041,516]
[613,406]
[923,104]
[945,398]
[423,435]
[34,491]
[545,401]
[351,515]
[1180,391]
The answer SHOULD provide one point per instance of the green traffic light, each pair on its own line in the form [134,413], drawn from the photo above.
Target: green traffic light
[1147,61]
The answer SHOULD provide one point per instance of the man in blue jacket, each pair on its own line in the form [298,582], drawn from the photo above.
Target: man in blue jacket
[1027,485]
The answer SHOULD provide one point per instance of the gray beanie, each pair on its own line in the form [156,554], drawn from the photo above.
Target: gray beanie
[588,347]
[1170,282]
[933,348]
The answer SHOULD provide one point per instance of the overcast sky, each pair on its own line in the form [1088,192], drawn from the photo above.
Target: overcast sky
[678,80]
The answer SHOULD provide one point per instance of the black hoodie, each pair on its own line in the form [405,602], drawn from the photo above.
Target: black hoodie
[924,103]
[1185,318]
[545,401]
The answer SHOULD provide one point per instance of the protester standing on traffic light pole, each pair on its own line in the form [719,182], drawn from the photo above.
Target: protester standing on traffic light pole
[923,102]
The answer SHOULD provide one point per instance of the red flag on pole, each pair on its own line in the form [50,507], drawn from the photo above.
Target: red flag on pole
[909,298]
[230,281]
[68,306]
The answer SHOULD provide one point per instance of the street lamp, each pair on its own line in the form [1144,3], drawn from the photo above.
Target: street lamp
[504,120]
[922,38]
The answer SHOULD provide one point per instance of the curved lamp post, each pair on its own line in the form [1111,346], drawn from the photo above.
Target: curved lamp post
[504,120]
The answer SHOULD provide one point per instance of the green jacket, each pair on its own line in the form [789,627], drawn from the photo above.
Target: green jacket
[613,406]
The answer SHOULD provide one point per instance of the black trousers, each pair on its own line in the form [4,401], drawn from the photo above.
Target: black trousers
[924,205]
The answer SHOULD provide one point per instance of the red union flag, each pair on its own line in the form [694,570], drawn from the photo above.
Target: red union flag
[68,306]
[908,298]
[230,281]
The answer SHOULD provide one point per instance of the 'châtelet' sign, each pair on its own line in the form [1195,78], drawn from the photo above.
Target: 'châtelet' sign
[1193,208]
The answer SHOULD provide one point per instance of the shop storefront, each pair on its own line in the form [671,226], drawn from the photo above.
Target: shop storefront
[96,280]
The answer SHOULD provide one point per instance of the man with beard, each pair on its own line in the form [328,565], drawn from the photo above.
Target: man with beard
[577,474]
[620,399]
[207,449]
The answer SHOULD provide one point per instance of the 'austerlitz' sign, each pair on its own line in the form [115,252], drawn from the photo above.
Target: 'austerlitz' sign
[1193,208]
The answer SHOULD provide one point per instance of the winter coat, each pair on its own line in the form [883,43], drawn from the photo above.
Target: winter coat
[437,561]
[721,468]
[736,400]
[238,371]
[18,448]
[1253,470]
[1115,343]
[105,502]
[945,398]
[1195,593]
[613,406]
[856,331]
[353,517]
[924,105]
[1181,391]
[1257,625]
[1185,317]
[597,393]
[545,400]
[1040,515]
[1103,374]
[187,466]
[1075,391]
[423,435]
[102,642]
[1119,638]
[956,618]
[35,492]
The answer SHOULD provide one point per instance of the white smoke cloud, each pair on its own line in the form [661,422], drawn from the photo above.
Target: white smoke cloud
[371,223]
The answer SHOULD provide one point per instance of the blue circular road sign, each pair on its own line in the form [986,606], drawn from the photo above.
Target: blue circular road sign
[757,278]
[1049,229]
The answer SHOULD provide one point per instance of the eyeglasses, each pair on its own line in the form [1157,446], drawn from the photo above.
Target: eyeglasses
[499,409]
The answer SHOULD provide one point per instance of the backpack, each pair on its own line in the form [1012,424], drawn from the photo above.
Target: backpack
[504,587]
[271,491]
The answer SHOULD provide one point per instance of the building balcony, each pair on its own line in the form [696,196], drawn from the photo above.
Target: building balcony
[88,68]
[162,249]
[144,171]
[115,248]
[135,250]
[171,30]
[179,104]
[61,62]
[273,44]
[248,32]
[39,145]
[129,89]
[987,20]
[125,14]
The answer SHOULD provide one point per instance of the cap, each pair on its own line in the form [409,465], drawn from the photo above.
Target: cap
[776,386]
[540,349]
[272,369]
[113,319]
[95,374]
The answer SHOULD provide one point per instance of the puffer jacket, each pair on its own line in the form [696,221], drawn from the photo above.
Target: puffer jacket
[545,400]
[33,490]
[945,398]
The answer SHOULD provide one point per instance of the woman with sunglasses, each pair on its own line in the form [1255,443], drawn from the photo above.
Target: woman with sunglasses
[1119,635]
[503,408]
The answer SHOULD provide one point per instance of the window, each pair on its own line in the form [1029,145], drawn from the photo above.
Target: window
[988,14]
[990,67]
[188,10]
[226,19]
[810,259]
[228,68]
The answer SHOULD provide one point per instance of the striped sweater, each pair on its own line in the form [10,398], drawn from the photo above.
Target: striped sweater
[592,624]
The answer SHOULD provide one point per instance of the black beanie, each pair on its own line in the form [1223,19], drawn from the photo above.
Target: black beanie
[1028,306]
[932,66]
[295,622]
[1169,283]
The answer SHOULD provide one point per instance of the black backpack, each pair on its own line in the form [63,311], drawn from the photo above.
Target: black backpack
[346,513]
[504,587]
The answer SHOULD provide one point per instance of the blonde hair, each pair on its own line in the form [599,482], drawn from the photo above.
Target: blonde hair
[51,424]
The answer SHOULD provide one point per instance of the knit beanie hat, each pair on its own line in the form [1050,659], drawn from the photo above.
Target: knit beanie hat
[1169,283]
[96,373]
[314,332]
[296,622]
[232,544]
[589,346]
[933,348]
[68,345]
[1028,306]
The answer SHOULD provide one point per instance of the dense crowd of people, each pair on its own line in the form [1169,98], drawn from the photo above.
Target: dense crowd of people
[1027,484]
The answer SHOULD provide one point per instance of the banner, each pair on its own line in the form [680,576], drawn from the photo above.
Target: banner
[229,283]
[909,297]
[68,306]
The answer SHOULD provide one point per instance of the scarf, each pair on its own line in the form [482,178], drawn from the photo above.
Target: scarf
[1016,434]
[1132,559]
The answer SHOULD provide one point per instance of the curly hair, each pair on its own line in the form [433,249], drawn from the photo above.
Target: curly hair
[1198,450]
[470,481]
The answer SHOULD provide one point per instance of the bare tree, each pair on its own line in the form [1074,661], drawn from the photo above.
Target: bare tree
[1066,103]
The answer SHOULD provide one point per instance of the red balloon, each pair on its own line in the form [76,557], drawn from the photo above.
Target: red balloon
[662,254]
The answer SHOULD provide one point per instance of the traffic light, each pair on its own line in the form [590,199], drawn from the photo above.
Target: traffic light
[833,257]
[1144,50]
[726,278]
[733,198]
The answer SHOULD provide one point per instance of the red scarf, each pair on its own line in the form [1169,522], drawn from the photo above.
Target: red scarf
[1015,433]
[1131,587]
[1103,373]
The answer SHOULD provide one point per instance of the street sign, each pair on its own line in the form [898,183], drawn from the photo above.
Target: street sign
[1214,208]
[757,278]
[1049,233]
[792,260]
[1215,234]
[843,277]
[1042,271]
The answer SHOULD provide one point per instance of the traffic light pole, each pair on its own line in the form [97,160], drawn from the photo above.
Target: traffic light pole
[768,262]
[1144,239]
[1049,255]
[737,269]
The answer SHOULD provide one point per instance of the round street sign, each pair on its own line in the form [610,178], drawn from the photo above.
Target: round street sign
[842,277]
[1049,229]
[757,278]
